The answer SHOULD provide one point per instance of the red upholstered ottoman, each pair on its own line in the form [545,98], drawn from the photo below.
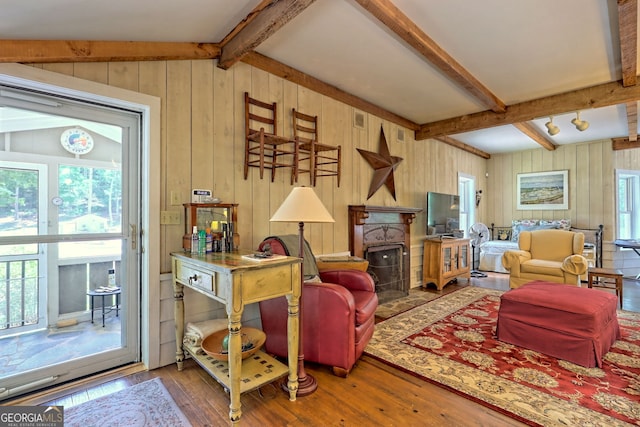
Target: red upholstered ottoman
[563,321]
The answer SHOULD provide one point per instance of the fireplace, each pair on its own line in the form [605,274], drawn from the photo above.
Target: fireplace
[386,265]
[382,236]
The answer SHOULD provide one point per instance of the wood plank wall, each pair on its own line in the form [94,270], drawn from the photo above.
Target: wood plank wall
[586,183]
[203,147]
[592,187]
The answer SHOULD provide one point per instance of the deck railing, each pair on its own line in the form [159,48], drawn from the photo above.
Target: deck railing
[19,293]
[21,285]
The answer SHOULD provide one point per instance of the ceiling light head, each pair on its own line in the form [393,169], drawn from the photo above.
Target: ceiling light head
[581,125]
[551,128]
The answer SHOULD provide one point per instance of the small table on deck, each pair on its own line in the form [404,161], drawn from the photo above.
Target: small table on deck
[104,293]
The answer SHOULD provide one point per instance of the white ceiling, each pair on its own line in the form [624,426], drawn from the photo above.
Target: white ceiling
[520,50]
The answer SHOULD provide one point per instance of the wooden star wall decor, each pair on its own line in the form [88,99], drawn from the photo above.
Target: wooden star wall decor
[383,164]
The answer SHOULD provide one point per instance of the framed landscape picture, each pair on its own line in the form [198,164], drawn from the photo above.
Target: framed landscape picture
[543,190]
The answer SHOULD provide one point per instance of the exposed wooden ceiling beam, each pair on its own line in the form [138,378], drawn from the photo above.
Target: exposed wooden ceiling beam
[250,17]
[266,23]
[628,28]
[632,120]
[44,51]
[291,74]
[407,30]
[461,145]
[624,144]
[534,133]
[597,96]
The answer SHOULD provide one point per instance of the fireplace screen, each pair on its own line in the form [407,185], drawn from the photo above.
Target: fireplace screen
[386,269]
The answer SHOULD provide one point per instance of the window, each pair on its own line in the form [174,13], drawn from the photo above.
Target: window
[466,191]
[628,204]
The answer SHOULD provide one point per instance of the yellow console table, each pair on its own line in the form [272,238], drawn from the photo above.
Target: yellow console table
[234,281]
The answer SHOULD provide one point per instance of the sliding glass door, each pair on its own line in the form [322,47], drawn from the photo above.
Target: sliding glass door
[69,218]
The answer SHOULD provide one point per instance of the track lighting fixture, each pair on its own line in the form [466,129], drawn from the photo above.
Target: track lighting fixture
[551,128]
[581,125]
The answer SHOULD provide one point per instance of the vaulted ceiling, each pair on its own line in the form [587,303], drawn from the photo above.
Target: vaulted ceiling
[481,75]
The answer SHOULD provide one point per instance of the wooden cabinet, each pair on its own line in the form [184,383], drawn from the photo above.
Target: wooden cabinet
[232,280]
[445,259]
[221,218]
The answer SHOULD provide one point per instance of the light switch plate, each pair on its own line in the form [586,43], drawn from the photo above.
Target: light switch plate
[169,217]
[175,198]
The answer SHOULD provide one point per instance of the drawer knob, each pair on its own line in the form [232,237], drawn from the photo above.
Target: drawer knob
[193,278]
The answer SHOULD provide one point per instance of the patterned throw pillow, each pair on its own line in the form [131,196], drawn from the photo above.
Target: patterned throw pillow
[522,228]
[516,227]
[562,224]
[504,234]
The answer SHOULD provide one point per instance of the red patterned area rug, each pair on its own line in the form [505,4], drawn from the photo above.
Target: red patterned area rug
[415,298]
[451,341]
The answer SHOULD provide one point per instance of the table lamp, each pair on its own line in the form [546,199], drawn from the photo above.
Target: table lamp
[302,205]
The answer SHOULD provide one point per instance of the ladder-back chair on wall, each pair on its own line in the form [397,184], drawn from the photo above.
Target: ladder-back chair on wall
[264,148]
[322,159]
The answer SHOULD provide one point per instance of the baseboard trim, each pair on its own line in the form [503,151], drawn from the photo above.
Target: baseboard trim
[56,392]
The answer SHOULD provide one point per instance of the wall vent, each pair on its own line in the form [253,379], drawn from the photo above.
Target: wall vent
[400,136]
[358,119]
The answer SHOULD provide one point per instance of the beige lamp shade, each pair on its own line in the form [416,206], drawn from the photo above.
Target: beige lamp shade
[302,205]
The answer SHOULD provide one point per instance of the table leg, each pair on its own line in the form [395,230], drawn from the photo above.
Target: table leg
[293,333]
[235,362]
[102,310]
[178,315]
[293,324]
[91,299]
[637,253]
[117,304]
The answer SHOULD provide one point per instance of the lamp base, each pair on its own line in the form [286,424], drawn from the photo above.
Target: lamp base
[306,386]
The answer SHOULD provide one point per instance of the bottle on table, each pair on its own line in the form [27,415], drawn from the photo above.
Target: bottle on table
[202,242]
[194,240]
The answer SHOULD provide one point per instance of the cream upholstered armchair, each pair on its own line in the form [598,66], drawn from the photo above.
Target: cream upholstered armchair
[549,255]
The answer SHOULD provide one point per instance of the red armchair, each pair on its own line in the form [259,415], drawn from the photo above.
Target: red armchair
[338,316]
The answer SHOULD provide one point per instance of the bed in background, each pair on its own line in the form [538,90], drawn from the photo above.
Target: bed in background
[503,238]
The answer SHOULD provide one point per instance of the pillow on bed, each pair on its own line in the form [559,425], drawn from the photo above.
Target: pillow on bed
[504,235]
[516,223]
[536,227]
[562,224]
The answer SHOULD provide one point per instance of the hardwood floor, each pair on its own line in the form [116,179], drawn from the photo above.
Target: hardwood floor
[372,394]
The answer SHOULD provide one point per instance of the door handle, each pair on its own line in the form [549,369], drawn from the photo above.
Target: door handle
[134,236]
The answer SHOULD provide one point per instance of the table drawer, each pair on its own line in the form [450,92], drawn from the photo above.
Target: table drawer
[194,277]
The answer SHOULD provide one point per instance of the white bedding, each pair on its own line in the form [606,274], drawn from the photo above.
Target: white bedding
[491,251]
[491,254]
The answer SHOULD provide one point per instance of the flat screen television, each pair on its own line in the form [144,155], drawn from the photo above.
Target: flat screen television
[443,213]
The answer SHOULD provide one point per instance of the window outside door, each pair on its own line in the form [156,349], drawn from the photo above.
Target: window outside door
[628,206]
[23,294]
[466,191]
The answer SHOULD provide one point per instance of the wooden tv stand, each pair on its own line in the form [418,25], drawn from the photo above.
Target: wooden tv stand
[445,259]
